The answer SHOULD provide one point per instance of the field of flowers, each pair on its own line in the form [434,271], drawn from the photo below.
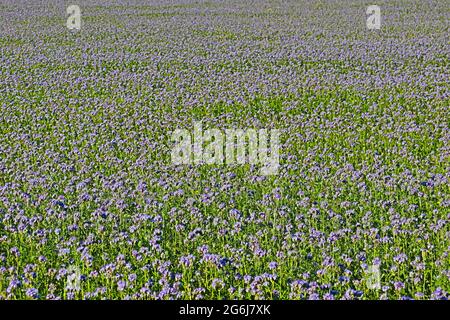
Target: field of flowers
[87,182]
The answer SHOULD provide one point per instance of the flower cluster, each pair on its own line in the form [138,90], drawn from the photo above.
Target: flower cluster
[87,183]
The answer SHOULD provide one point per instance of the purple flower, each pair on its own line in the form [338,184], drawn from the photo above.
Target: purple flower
[217,283]
[399,285]
[121,285]
[32,293]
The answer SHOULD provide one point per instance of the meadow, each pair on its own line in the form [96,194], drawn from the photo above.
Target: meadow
[86,177]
